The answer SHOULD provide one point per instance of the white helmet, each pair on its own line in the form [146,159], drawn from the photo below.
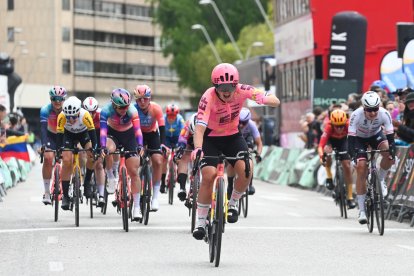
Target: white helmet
[193,120]
[72,106]
[90,104]
[245,115]
[370,99]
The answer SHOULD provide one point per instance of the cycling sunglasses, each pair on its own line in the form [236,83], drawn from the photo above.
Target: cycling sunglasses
[243,123]
[145,99]
[371,109]
[57,99]
[121,107]
[226,87]
[73,117]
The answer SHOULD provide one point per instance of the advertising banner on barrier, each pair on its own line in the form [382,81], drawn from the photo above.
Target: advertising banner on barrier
[403,181]
[408,195]
[395,172]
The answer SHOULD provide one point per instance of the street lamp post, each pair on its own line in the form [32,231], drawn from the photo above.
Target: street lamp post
[213,48]
[226,28]
[262,11]
[254,44]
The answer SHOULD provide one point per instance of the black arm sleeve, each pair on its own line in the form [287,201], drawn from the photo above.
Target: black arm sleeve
[59,140]
[391,142]
[92,135]
[351,145]
[43,132]
[162,134]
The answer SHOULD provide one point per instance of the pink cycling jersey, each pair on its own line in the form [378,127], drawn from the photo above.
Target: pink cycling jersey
[222,118]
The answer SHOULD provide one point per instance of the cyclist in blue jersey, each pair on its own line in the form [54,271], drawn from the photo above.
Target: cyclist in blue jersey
[48,124]
[174,123]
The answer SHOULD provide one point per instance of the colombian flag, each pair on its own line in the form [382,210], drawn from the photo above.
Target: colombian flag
[15,147]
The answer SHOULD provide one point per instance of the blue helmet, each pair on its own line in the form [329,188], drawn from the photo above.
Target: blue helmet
[380,83]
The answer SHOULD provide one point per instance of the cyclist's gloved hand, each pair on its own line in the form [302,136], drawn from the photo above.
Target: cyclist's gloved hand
[258,159]
[195,152]
[104,151]
[139,149]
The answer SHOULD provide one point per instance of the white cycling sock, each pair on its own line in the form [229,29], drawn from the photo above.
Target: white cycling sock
[156,190]
[110,173]
[115,166]
[235,196]
[202,213]
[382,173]
[361,202]
[101,189]
[137,198]
[46,183]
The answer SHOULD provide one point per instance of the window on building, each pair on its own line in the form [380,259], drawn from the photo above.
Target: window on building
[66,66]
[65,34]
[10,34]
[66,5]
[10,5]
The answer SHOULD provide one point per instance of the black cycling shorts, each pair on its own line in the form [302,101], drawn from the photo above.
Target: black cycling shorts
[230,146]
[152,141]
[70,139]
[51,139]
[340,145]
[124,138]
[373,142]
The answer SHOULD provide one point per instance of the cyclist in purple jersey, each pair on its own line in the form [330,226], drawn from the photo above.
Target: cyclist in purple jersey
[120,124]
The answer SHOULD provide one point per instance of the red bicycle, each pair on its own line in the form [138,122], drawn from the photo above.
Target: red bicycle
[56,185]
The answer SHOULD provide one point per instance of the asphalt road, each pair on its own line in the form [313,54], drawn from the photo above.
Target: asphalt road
[288,232]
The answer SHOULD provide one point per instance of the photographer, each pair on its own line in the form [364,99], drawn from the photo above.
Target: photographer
[405,129]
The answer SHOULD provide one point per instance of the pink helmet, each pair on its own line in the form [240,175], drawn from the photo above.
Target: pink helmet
[142,91]
[225,73]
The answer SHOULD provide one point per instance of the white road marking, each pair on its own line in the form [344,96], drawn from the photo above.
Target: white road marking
[52,239]
[55,266]
[168,228]
[406,247]
[280,198]
[293,214]
[326,198]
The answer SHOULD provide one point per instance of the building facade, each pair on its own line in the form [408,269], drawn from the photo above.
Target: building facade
[88,46]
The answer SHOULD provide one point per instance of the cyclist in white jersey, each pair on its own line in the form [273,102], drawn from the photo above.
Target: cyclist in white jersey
[365,129]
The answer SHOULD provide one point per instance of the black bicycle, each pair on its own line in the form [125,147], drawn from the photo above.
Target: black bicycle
[339,181]
[374,200]
[218,210]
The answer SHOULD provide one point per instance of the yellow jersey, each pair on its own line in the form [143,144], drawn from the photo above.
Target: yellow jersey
[84,122]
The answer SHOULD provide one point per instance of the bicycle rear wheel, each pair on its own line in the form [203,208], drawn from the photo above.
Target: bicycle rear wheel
[76,195]
[219,219]
[56,191]
[342,192]
[93,195]
[378,203]
[171,184]
[124,199]
[369,213]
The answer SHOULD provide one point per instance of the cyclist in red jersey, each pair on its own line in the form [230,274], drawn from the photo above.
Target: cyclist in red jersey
[217,131]
[335,136]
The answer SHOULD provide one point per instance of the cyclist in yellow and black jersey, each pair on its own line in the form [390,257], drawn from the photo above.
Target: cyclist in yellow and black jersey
[75,125]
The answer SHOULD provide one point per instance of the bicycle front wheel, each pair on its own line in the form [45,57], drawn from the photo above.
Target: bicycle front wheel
[369,212]
[378,203]
[56,191]
[194,192]
[124,199]
[171,184]
[342,192]
[219,219]
[147,196]
[77,195]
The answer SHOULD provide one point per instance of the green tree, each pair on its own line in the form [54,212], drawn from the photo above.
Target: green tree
[192,57]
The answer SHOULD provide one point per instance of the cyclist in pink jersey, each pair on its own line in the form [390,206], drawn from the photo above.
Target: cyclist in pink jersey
[153,131]
[119,124]
[48,124]
[217,131]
